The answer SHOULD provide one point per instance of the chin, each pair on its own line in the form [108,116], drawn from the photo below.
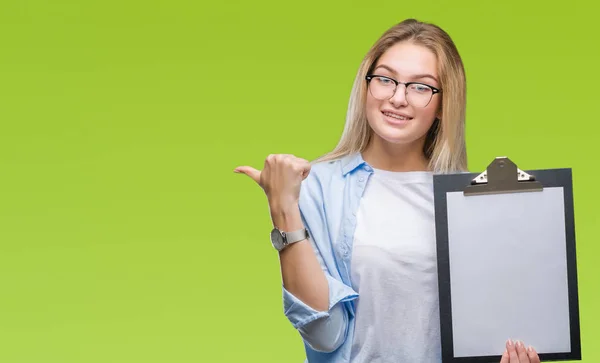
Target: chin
[398,135]
[399,140]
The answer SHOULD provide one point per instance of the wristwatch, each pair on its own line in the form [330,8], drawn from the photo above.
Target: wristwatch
[281,240]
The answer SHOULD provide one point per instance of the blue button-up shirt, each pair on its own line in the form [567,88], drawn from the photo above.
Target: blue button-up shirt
[329,200]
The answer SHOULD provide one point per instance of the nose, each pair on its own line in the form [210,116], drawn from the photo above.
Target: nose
[399,97]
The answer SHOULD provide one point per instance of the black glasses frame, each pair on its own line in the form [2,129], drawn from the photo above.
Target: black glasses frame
[434,90]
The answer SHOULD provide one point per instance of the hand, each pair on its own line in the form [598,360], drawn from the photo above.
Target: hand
[281,178]
[516,353]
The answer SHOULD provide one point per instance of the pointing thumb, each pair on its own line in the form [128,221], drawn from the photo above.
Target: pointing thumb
[251,172]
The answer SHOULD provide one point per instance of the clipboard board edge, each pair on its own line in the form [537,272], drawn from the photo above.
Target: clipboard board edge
[446,183]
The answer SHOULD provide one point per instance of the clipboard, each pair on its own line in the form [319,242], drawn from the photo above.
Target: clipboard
[506,263]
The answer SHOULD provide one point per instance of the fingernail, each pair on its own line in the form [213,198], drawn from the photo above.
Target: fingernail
[530,349]
[519,344]
[509,342]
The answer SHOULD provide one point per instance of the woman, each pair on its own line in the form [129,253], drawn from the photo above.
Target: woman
[355,229]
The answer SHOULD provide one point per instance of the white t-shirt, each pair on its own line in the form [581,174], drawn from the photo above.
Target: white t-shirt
[394,271]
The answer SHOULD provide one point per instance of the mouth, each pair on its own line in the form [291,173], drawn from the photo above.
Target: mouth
[396,117]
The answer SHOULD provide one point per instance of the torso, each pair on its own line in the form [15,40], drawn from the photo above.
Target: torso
[394,270]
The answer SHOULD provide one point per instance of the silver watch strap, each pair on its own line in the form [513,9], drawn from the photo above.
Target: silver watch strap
[296,236]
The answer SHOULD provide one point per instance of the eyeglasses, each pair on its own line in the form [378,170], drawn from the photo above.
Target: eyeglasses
[417,94]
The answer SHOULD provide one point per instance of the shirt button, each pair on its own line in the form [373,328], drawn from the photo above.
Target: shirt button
[361,179]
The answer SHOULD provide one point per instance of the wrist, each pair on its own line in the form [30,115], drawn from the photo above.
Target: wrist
[286,217]
[283,205]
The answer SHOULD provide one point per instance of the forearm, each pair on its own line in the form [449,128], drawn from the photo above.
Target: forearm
[301,272]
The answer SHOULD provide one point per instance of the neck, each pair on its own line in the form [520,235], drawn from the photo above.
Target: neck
[381,154]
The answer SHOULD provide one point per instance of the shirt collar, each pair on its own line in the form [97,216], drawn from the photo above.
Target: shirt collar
[353,161]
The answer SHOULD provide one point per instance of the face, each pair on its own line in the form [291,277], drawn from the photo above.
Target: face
[395,120]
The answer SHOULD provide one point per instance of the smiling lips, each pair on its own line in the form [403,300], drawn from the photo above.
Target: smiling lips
[394,116]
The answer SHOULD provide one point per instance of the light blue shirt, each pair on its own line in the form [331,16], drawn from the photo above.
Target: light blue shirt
[329,200]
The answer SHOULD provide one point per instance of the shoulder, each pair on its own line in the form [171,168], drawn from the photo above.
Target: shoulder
[337,168]
[323,175]
[324,180]
[323,170]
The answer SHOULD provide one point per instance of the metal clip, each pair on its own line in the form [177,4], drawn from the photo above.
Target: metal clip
[499,177]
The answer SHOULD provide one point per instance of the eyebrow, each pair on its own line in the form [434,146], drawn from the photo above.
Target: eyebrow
[425,75]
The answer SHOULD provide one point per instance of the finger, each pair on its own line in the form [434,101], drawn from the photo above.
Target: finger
[250,171]
[505,358]
[270,159]
[533,356]
[305,168]
[522,352]
[277,158]
[512,352]
[283,158]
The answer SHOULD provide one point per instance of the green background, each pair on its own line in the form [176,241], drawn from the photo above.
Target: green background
[125,236]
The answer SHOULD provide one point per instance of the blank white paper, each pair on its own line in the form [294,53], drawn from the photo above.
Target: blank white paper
[508,281]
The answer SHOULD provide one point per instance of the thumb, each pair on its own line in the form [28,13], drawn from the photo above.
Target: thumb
[250,171]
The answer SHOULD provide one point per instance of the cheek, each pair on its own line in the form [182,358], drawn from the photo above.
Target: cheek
[428,114]
[372,108]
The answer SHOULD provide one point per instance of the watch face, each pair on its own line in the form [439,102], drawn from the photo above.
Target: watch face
[277,239]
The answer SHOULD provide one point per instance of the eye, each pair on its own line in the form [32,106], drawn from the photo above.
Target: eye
[384,81]
[420,88]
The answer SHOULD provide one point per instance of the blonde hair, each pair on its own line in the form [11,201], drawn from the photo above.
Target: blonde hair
[445,142]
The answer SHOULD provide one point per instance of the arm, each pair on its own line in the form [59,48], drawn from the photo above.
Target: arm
[323,327]
[304,279]
[312,297]
[301,272]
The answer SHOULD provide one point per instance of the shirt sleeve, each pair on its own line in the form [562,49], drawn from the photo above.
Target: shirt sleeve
[301,314]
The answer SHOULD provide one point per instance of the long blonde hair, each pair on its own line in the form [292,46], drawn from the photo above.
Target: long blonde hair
[445,142]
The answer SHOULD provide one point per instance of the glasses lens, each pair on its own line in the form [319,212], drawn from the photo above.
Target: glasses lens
[419,95]
[382,88]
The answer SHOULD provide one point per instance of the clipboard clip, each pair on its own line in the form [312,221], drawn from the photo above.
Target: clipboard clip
[503,176]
